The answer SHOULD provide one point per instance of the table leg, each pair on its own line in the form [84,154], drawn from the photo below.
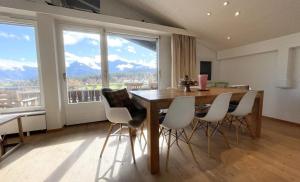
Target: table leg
[259,114]
[153,137]
[21,135]
[256,115]
[2,146]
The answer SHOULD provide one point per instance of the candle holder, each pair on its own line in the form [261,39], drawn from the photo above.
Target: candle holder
[187,83]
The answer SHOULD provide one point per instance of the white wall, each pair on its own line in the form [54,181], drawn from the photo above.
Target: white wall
[119,9]
[207,54]
[259,69]
[46,36]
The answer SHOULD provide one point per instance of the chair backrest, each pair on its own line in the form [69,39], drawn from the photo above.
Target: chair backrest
[245,104]
[106,105]
[218,108]
[105,102]
[180,113]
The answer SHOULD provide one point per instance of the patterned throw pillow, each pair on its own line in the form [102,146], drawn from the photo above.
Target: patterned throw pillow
[119,98]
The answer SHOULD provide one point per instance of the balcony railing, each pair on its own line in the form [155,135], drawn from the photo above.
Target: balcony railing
[76,96]
[93,94]
[12,97]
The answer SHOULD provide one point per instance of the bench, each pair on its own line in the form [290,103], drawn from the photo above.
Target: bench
[3,120]
[7,118]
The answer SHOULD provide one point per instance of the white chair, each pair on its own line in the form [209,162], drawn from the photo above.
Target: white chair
[179,115]
[213,118]
[120,116]
[242,110]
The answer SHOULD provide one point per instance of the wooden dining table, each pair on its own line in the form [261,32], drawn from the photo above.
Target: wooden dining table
[155,100]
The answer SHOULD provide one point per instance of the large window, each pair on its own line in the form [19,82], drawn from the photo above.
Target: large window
[19,75]
[132,62]
[82,66]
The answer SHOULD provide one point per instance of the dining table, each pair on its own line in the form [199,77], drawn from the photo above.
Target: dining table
[155,100]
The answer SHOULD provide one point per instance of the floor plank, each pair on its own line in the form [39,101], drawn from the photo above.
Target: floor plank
[72,154]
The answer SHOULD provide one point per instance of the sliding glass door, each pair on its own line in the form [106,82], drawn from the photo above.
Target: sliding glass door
[132,62]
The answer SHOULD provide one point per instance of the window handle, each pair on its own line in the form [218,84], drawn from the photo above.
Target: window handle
[64,76]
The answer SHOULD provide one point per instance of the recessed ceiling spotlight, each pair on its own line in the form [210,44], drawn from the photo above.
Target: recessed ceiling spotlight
[228,38]
[237,13]
[226,3]
[208,13]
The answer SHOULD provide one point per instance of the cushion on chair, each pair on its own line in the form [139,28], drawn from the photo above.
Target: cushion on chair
[161,118]
[119,98]
[232,106]
[138,117]
[200,114]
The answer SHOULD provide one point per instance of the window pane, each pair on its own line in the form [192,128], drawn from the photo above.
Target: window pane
[83,66]
[132,62]
[19,76]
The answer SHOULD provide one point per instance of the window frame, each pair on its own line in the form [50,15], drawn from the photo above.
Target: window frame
[104,32]
[31,23]
[63,26]
[137,35]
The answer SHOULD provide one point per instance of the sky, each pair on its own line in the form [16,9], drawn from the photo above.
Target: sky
[85,48]
[18,49]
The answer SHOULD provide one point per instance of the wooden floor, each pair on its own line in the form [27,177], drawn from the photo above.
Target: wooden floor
[72,154]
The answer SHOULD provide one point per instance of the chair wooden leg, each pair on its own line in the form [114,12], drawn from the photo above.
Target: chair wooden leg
[142,133]
[121,125]
[189,144]
[231,121]
[176,137]
[224,136]
[237,128]
[161,130]
[193,131]
[132,145]
[249,129]
[108,134]
[168,150]
[206,130]
[208,140]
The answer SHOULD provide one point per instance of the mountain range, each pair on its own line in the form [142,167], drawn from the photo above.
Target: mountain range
[75,69]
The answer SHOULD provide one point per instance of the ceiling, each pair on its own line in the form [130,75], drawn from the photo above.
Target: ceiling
[258,20]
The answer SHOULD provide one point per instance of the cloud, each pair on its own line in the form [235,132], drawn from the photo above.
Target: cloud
[14,36]
[147,63]
[95,61]
[92,62]
[123,66]
[7,35]
[131,49]
[11,65]
[94,42]
[26,37]
[71,38]
[115,41]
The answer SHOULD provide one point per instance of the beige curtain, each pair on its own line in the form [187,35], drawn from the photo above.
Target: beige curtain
[183,57]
